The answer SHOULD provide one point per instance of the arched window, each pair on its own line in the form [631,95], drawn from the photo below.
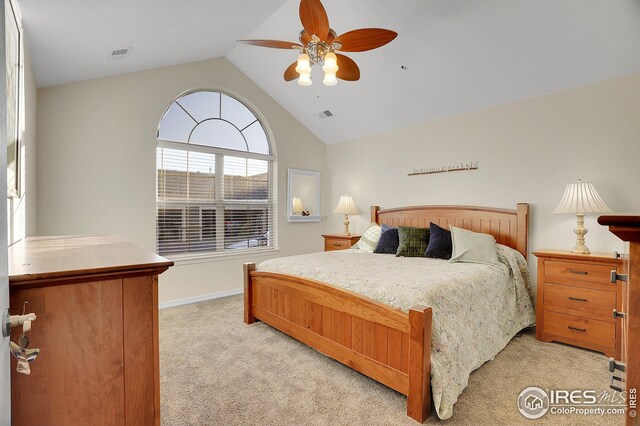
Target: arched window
[215,177]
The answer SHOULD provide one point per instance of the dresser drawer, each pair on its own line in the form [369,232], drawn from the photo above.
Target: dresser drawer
[336,244]
[569,272]
[580,330]
[581,301]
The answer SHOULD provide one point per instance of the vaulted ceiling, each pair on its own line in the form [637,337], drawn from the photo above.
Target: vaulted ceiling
[459,55]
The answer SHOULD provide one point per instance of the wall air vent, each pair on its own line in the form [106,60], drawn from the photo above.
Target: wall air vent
[326,114]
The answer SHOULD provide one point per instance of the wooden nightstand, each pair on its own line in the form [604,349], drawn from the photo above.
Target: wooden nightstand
[339,242]
[576,300]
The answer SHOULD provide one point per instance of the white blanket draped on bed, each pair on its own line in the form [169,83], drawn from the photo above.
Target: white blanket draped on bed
[477,309]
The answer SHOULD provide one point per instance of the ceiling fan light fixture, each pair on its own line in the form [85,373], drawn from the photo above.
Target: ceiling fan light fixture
[304,67]
[330,79]
[305,79]
[330,63]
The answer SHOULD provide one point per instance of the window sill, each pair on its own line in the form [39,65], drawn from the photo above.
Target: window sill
[192,259]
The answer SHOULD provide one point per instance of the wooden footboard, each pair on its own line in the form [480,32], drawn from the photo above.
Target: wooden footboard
[383,343]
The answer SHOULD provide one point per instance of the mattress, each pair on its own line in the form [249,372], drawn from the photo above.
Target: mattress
[477,308]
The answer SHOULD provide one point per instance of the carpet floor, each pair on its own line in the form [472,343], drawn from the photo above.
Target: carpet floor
[216,370]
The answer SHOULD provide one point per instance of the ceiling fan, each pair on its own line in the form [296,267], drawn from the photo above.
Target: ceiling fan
[319,44]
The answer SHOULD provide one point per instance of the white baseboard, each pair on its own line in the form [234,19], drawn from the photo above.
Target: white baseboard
[195,299]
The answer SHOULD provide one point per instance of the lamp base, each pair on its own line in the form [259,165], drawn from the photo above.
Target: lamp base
[346,225]
[580,231]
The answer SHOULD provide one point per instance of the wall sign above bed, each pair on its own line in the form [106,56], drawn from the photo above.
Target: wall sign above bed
[472,165]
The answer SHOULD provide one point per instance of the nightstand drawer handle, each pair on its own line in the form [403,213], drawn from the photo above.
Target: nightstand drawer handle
[577,299]
[337,245]
[577,329]
[573,271]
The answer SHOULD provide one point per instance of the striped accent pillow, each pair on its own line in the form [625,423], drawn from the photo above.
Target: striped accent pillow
[413,241]
[369,239]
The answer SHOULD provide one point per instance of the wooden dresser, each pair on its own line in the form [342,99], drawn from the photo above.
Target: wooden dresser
[339,241]
[576,300]
[96,301]
[626,369]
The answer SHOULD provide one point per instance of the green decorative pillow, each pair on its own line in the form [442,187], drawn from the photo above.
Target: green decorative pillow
[413,241]
[369,239]
[473,247]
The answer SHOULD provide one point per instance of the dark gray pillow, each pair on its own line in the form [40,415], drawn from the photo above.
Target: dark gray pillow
[389,240]
[440,244]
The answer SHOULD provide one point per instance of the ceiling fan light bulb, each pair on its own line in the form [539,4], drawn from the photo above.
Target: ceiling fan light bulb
[330,79]
[330,63]
[305,79]
[303,64]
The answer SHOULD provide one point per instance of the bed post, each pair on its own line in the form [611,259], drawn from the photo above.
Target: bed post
[248,292]
[419,396]
[523,226]
[374,214]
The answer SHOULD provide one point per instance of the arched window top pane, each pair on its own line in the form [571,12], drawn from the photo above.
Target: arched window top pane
[236,112]
[219,134]
[214,119]
[201,105]
[256,138]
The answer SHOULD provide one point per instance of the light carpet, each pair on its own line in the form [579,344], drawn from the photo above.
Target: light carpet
[216,370]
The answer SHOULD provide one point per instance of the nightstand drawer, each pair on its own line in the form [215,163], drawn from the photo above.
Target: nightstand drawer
[576,329]
[569,272]
[591,303]
[335,244]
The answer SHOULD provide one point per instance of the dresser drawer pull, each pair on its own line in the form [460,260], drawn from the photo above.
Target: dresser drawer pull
[577,299]
[337,245]
[573,271]
[577,329]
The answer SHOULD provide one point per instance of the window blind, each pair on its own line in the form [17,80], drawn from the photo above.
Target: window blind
[210,202]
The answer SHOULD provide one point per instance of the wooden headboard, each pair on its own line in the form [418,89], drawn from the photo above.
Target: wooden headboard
[508,227]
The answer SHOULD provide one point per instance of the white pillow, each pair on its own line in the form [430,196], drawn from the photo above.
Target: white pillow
[369,239]
[473,247]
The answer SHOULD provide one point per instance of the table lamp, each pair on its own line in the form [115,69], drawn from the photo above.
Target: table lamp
[346,207]
[581,198]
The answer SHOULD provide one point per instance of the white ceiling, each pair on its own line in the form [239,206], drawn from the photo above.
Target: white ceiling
[72,40]
[461,55]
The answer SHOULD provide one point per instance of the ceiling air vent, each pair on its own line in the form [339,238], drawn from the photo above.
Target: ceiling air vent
[120,53]
[326,114]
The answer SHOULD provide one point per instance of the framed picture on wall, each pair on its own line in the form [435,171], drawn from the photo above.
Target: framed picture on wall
[13,46]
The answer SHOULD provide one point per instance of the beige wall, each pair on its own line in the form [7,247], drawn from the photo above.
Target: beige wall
[22,211]
[527,151]
[96,163]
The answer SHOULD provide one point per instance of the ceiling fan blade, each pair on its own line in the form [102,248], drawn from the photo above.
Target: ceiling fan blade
[275,44]
[314,18]
[347,69]
[291,73]
[365,39]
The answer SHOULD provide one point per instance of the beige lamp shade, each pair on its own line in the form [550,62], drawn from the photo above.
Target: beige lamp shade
[297,206]
[581,198]
[346,206]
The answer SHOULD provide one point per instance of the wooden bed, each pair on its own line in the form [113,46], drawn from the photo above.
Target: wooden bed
[390,346]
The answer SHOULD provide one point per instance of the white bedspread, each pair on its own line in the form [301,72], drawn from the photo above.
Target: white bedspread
[477,309]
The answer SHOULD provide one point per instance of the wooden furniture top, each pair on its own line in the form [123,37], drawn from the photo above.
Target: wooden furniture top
[625,227]
[508,227]
[346,237]
[42,261]
[567,254]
